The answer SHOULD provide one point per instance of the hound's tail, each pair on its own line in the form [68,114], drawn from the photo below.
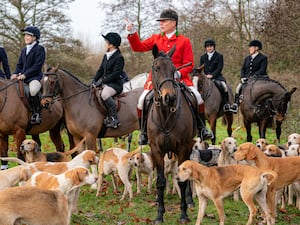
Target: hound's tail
[270,175]
[14,159]
[78,148]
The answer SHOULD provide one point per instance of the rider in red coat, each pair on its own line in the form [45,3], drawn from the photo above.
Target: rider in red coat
[183,54]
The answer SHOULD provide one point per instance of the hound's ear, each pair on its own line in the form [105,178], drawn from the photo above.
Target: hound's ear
[252,151]
[36,147]
[223,145]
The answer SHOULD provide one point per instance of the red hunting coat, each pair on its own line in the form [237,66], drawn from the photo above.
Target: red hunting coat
[182,55]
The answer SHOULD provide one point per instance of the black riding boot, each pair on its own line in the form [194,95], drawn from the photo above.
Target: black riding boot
[143,138]
[203,132]
[235,106]
[226,106]
[112,108]
[36,108]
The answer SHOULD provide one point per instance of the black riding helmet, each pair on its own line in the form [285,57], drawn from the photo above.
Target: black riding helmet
[256,43]
[209,42]
[33,31]
[168,14]
[113,38]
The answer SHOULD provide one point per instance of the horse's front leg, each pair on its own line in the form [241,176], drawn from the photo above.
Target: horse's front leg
[248,130]
[229,120]
[90,141]
[183,205]
[19,137]
[4,150]
[56,138]
[160,185]
[278,130]
[213,124]
[262,127]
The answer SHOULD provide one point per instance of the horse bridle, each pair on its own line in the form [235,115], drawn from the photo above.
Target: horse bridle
[53,92]
[159,85]
[270,106]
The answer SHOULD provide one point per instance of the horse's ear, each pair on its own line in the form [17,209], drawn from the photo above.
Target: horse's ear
[171,52]
[155,51]
[293,90]
[56,67]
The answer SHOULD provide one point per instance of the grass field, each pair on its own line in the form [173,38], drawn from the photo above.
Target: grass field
[107,209]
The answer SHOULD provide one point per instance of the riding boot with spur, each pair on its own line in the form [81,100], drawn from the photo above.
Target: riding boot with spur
[112,108]
[203,131]
[143,138]
[36,108]
[235,106]
[226,106]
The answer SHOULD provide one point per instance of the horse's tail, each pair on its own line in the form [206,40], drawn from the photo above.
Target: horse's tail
[234,131]
[14,159]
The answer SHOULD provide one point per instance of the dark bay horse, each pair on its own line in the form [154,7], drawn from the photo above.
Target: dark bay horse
[262,101]
[15,117]
[213,102]
[171,126]
[83,118]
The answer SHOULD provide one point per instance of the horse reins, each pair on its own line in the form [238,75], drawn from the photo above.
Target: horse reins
[54,94]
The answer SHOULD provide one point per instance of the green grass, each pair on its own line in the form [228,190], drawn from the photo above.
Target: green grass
[108,209]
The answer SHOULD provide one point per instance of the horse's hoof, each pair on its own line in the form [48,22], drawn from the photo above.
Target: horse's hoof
[191,205]
[184,220]
[158,221]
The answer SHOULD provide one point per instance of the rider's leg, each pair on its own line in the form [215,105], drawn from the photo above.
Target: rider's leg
[235,106]
[226,107]
[142,114]
[110,104]
[203,132]
[34,88]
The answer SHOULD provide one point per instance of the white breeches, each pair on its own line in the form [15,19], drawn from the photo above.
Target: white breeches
[34,87]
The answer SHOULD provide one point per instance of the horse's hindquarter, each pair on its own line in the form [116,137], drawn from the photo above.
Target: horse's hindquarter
[127,114]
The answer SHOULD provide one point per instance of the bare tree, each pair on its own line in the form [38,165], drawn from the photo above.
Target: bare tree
[49,16]
[143,14]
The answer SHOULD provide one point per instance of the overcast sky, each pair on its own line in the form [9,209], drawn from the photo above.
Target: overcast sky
[86,20]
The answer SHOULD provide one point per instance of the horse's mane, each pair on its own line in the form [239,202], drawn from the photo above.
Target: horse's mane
[266,78]
[70,74]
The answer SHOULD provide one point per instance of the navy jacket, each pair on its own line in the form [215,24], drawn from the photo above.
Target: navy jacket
[5,65]
[111,70]
[213,66]
[31,64]
[256,66]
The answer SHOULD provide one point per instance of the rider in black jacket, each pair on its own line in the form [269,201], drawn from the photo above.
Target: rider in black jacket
[109,75]
[213,64]
[255,64]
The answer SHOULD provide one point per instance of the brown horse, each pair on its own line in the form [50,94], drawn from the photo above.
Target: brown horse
[83,118]
[262,101]
[171,126]
[15,117]
[214,102]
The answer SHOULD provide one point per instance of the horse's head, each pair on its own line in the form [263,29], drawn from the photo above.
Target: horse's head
[280,104]
[51,86]
[163,71]
[197,72]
